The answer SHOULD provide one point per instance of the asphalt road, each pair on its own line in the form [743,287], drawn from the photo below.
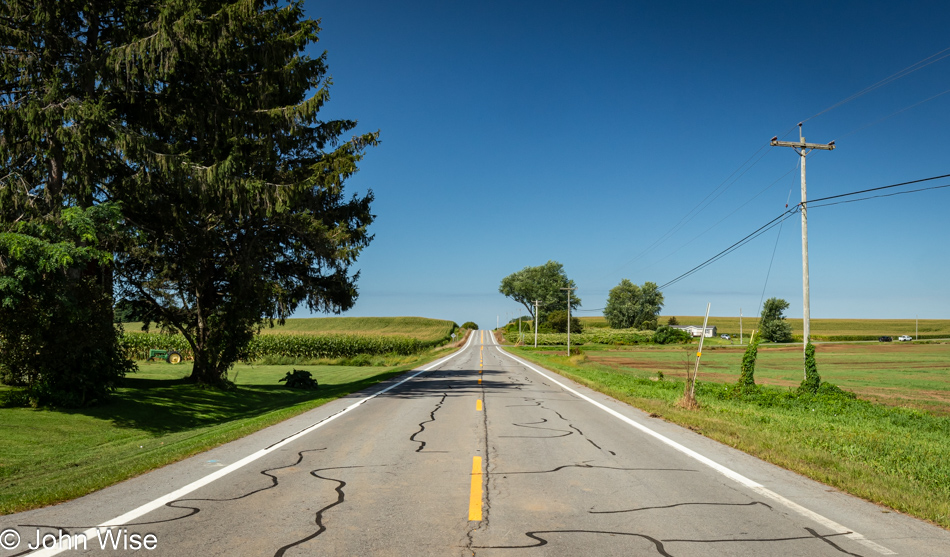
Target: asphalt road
[476,454]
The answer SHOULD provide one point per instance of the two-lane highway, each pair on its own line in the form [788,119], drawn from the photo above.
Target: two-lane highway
[479,453]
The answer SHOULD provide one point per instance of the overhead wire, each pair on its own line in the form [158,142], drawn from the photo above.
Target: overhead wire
[768,273]
[814,203]
[810,206]
[705,202]
[891,115]
[720,221]
[748,238]
[935,57]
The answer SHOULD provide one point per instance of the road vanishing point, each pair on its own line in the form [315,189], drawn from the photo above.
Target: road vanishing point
[478,453]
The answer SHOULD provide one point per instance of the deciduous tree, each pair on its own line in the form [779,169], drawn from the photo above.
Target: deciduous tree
[772,326]
[543,283]
[632,306]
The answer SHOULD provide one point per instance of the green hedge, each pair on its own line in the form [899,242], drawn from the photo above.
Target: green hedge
[597,336]
[137,345]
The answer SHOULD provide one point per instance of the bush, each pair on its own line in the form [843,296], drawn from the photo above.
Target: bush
[668,335]
[65,351]
[557,320]
[469,325]
[300,379]
[747,376]
[812,381]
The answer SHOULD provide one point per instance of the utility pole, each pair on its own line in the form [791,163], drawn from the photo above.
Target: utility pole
[802,149]
[569,288]
[740,326]
[536,302]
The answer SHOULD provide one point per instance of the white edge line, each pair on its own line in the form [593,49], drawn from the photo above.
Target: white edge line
[729,473]
[181,492]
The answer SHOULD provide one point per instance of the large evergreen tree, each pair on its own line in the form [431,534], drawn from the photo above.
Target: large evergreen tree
[238,204]
[57,226]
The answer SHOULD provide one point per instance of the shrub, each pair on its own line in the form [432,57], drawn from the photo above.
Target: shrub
[557,320]
[300,379]
[747,377]
[812,381]
[469,325]
[668,335]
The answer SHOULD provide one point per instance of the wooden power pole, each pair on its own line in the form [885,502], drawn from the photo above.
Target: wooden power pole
[803,148]
[569,288]
[536,302]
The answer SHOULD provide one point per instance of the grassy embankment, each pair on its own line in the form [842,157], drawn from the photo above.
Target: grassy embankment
[892,455]
[156,418]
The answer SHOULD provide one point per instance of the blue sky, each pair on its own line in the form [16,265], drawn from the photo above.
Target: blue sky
[519,132]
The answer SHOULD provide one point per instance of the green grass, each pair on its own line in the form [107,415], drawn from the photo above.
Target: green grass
[420,328]
[899,457]
[50,456]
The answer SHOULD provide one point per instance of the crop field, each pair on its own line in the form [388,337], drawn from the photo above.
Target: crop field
[821,329]
[915,375]
[420,328]
[326,338]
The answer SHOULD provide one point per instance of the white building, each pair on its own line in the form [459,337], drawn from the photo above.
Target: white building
[696,330]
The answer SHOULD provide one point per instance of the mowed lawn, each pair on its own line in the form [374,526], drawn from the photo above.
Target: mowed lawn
[155,419]
[915,375]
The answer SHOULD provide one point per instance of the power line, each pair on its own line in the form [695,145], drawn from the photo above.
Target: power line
[706,201]
[880,188]
[879,196]
[937,56]
[748,238]
[723,219]
[789,212]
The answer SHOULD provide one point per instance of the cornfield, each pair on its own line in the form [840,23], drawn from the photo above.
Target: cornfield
[598,336]
[137,345]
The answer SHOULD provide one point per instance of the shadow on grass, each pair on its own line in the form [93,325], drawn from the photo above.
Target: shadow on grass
[162,406]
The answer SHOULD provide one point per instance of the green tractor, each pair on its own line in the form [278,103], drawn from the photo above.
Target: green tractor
[171,356]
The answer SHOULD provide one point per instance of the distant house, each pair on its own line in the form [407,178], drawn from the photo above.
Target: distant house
[696,330]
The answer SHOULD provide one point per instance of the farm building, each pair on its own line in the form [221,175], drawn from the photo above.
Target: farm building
[696,330]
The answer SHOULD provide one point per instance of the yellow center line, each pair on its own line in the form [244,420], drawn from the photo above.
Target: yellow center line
[478,405]
[475,499]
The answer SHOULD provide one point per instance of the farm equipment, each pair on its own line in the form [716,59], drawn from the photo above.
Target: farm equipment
[170,356]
